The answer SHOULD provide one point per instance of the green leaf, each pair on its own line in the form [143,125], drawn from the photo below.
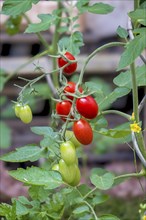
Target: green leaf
[100,122]
[37,176]
[100,8]
[84,189]
[26,153]
[81,209]
[21,209]
[82,5]
[38,193]
[62,29]
[99,199]
[94,87]
[108,217]
[2,79]
[112,97]
[5,135]
[102,181]
[72,43]
[124,78]
[115,133]
[139,16]
[8,211]
[44,130]
[46,21]
[16,7]
[122,32]
[134,48]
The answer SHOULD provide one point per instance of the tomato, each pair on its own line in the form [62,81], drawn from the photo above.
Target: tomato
[83,131]
[13,24]
[63,108]
[67,172]
[25,114]
[68,152]
[77,177]
[87,107]
[55,167]
[17,109]
[71,137]
[71,67]
[71,87]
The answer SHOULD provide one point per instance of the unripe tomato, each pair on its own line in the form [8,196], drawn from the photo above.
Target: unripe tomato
[17,109]
[87,107]
[83,131]
[68,152]
[71,137]
[25,114]
[56,167]
[71,87]
[77,178]
[63,108]
[67,172]
[71,67]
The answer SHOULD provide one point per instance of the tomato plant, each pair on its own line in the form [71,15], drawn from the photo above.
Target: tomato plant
[87,107]
[56,188]
[71,68]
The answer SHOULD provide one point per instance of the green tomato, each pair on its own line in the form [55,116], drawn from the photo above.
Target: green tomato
[25,114]
[17,109]
[71,137]
[77,177]
[68,152]
[55,167]
[67,172]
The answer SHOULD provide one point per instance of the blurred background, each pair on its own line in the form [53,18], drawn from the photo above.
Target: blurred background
[112,154]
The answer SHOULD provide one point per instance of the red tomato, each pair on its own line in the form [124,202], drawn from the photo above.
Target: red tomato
[63,108]
[83,131]
[87,107]
[71,67]
[71,87]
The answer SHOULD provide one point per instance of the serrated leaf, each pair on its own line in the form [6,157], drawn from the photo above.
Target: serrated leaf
[16,7]
[100,122]
[112,97]
[139,15]
[5,135]
[37,176]
[81,209]
[44,130]
[114,133]
[26,153]
[82,5]
[46,21]
[122,32]
[124,79]
[108,217]
[38,193]
[134,48]
[100,8]
[102,181]
[72,43]
[21,209]
[94,87]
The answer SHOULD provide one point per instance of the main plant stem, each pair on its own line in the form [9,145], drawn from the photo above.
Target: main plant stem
[139,136]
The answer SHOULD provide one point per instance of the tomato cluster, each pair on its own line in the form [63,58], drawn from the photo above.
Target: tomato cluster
[68,164]
[84,105]
[23,112]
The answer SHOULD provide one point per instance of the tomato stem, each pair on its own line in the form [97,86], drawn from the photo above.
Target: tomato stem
[118,113]
[112,44]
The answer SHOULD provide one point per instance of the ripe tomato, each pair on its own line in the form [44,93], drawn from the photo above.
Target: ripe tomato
[71,137]
[71,87]
[87,107]
[83,131]
[17,109]
[71,67]
[68,152]
[63,108]
[25,114]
